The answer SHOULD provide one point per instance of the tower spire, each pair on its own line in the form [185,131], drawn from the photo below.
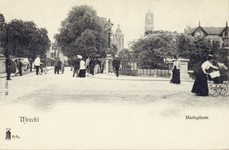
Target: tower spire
[199,23]
[226,23]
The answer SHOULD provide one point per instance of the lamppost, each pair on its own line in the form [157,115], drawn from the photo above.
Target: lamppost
[108,59]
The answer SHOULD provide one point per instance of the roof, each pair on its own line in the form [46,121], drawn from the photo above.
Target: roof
[208,30]
[213,30]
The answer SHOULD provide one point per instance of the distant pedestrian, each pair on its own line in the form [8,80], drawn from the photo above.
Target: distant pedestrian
[97,66]
[102,65]
[176,71]
[76,66]
[57,66]
[116,65]
[9,65]
[200,86]
[92,66]
[87,64]
[37,64]
[82,71]
[19,66]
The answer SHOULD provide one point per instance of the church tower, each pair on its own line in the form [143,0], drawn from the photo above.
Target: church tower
[149,22]
[119,39]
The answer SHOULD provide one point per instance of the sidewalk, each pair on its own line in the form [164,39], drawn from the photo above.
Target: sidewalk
[112,76]
[3,75]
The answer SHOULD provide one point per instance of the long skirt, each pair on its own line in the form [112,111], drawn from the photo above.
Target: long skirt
[175,76]
[82,73]
[200,86]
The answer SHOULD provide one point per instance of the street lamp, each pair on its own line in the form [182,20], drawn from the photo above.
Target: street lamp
[108,59]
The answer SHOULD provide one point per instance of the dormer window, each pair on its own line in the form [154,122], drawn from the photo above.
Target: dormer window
[198,33]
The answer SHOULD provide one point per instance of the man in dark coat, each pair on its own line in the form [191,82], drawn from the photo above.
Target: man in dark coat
[92,66]
[8,63]
[116,65]
[19,66]
[76,66]
[57,66]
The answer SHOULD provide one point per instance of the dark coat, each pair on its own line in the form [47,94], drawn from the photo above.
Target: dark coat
[19,65]
[116,63]
[76,63]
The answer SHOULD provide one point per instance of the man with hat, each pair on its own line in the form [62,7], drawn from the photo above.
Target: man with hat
[76,65]
[8,63]
[116,65]
[37,64]
[57,66]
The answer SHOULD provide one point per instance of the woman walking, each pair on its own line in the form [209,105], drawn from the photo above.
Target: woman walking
[176,71]
[200,86]
[82,67]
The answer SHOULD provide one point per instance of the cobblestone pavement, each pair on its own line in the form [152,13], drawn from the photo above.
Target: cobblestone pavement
[98,113]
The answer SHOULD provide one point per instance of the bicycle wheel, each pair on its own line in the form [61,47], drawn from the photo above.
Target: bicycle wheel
[213,89]
[223,89]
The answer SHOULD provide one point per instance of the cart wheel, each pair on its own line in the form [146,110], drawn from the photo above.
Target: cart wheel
[213,89]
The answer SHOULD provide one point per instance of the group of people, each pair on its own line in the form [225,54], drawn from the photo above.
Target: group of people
[200,86]
[58,65]
[15,66]
[91,66]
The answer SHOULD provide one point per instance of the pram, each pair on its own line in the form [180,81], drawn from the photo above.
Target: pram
[218,82]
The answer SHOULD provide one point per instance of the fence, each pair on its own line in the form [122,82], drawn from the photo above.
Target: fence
[129,67]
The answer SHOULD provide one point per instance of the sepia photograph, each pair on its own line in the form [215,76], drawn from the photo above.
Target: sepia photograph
[114,74]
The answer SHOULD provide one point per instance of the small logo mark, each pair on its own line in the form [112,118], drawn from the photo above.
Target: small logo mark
[8,134]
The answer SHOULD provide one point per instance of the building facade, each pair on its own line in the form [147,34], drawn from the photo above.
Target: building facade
[55,52]
[118,39]
[212,34]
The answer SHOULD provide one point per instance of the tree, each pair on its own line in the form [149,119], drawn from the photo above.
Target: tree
[24,39]
[82,32]
[152,50]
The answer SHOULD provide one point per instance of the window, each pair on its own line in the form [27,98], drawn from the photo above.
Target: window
[226,33]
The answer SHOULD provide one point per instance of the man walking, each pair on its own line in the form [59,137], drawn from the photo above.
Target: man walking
[57,66]
[91,66]
[116,65]
[8,66]
[76,66]
[37,64]
[19,66]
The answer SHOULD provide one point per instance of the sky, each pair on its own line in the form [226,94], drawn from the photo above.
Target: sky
[169,15]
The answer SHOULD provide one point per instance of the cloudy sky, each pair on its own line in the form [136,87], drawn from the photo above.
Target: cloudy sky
[172,15]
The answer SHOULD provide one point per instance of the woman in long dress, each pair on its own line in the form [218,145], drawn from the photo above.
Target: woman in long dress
[176,71]
[82,68]
[200,86]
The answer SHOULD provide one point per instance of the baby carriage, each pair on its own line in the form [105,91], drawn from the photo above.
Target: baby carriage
[218,81]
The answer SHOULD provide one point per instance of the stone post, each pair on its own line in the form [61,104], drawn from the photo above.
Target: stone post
[108,60]
[184,68]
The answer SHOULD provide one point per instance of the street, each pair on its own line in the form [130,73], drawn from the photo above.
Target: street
[97,113]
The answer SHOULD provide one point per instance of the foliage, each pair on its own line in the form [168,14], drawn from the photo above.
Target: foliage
[24,39]
[124,54]
[82,33]
[151,51]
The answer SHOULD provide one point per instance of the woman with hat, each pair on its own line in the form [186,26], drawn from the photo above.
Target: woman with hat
[82,67]
[176,71]
[200,86]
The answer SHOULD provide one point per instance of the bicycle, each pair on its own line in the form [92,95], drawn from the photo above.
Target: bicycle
[43,69]
[216,89]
